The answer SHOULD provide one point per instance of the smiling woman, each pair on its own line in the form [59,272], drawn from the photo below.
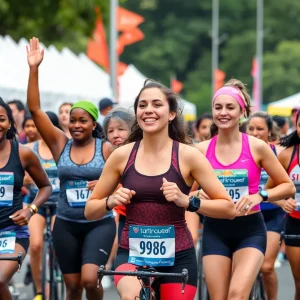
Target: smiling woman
[156,168]
[80,162]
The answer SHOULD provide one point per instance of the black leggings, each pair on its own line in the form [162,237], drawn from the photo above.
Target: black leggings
[77,244]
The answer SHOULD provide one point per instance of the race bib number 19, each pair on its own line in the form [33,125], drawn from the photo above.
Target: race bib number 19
[7,242]
[77,193]
[235,182]
[151,245]
[6,188]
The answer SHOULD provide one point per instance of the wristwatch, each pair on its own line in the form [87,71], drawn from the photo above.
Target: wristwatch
[264,195]
[194,204]
[106,201]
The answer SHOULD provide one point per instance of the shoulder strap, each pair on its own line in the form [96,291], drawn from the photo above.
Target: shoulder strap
[295,151]
[175,158]
[132,156]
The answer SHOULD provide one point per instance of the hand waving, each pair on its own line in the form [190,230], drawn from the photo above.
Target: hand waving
[34,54]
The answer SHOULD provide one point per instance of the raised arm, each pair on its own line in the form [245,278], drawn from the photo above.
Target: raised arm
[54,138]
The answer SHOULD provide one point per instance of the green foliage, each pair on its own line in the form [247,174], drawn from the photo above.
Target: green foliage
[178,39]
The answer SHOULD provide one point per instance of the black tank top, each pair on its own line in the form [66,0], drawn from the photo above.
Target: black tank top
[149,206]
[11,182]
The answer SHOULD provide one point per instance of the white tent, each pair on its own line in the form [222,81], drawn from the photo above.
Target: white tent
[284,107]
[130,84]
[64,76]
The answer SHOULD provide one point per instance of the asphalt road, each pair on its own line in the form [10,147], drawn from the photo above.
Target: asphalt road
[286,285]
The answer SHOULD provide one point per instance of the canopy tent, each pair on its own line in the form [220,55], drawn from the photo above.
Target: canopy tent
[130,84]
[284,107]
[63,76]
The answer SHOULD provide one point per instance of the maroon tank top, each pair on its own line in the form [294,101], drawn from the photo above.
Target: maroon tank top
[149,206]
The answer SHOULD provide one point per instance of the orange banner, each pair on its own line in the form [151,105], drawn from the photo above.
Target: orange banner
[219,78]
[127,20]
[176,86]
[121,67]
[97,49]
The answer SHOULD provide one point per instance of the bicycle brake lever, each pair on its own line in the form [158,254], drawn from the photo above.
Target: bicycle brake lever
[100,275]
[20,259]
[184,278]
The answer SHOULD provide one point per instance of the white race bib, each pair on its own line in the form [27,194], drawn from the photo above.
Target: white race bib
[235,182]
[7,242]
[77,193]
[151,245]
[295,176]
[6,188]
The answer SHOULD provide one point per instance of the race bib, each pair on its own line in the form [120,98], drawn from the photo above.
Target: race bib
[55,183]
[235,182]
[152,245]
[295,176]
[7,242]
[263,179]
[6,188]
[77,193]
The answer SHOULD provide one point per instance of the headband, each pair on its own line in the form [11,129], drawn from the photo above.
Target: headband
[88,107]
[231,91]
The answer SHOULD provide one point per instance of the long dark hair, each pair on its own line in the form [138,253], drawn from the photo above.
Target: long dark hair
[98,132]
[291,139]
[241,86]
[12,131]
[176,127]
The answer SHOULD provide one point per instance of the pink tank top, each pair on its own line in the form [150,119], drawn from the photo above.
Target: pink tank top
[240,178]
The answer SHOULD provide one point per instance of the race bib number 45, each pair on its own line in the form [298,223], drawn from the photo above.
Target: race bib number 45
[235,182]
[6,188]
[151,245]
[7,242]
[77,193]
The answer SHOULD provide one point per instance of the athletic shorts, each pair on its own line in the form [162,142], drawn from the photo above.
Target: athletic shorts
[224,237]
[24,242]
[77,244]
[274,219]
[292,227]
[185,259]
[42,211]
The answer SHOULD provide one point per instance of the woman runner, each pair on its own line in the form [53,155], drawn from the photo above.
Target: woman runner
[15,159]
[233,250]
[157,168]
[289,158]
[80,246]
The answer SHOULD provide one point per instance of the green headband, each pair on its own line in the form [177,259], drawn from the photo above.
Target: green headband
[88,107]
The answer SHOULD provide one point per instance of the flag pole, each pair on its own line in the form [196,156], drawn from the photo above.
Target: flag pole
[215,42]
[113,47]
[259,51]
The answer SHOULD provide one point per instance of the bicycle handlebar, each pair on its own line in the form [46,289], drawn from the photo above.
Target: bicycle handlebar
[184,275]
[18,258]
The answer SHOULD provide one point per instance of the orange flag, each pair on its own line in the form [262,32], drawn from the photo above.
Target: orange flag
[97,49]
[127,20]
[121,67]
[219,78]
[129,37]
[176,86]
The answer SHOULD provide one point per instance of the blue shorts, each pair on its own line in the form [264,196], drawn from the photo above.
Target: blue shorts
[274,219]
[224,237]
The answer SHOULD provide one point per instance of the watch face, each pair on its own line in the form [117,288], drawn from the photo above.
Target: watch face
[264,193]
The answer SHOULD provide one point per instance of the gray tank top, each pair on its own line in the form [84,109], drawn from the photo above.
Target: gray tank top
[73,179]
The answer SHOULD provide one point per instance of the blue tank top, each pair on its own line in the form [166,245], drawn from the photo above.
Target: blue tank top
[73,179]
[263,180]
[11,182]
[50,168]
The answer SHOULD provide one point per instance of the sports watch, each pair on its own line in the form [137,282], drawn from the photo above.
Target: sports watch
[264,195]
[194,204]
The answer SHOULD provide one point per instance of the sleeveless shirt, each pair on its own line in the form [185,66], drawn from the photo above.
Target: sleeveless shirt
[149,206]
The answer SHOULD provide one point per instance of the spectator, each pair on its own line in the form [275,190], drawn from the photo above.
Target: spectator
[18,110]
[293,120]
[282,124]
[105,106]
